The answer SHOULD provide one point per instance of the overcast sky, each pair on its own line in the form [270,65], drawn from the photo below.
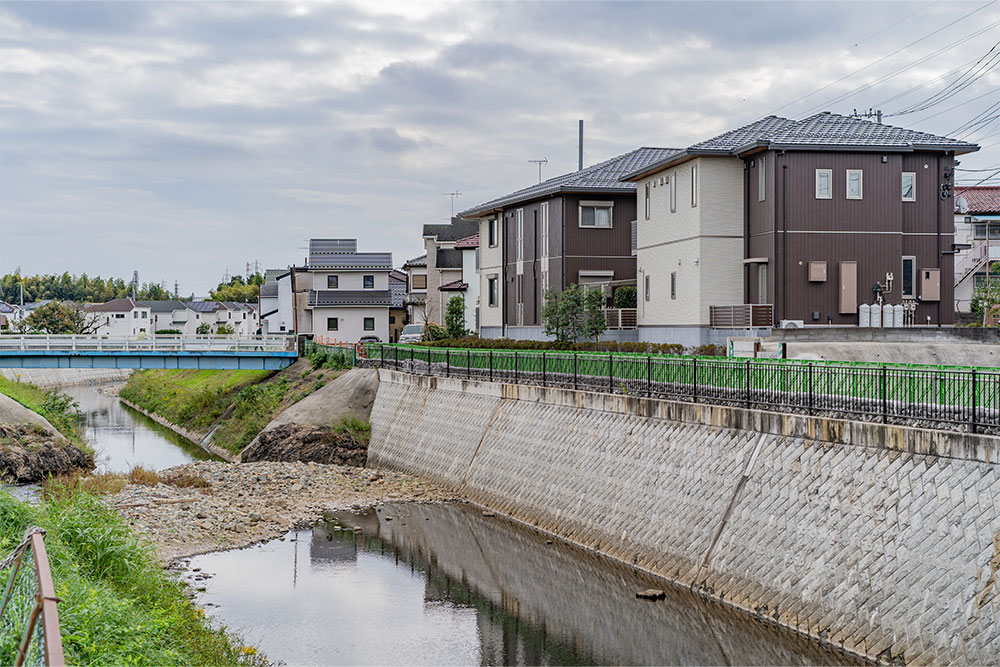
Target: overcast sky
[184,140]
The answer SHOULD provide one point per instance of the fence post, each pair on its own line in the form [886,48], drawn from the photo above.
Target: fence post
[468,364]
[885,397]
[381,349]
[649,376]
[515,366]
[412,369]
[574,370]
[746,382]
[694,380]
[611,373]
[809,380]
[543,368]
[447,363]
[973,429]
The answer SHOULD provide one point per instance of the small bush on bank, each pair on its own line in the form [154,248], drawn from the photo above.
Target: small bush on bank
[589,346]
[61,410]
[359,430]
[165,332]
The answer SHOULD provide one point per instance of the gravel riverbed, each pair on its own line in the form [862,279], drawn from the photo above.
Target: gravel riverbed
[249,502]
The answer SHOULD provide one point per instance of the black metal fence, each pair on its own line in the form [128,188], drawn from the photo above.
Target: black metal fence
[965,399]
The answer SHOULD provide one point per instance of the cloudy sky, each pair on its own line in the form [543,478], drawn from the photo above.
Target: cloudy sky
[187,139]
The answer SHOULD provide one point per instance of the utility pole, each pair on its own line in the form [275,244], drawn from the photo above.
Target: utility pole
[454,194]
[135,284]
[544,160]
[176,289]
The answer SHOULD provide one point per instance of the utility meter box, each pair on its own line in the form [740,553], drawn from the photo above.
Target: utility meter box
[817,272]
[930,284]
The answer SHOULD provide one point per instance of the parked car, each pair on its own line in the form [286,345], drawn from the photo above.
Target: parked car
[370,339]
[412,333]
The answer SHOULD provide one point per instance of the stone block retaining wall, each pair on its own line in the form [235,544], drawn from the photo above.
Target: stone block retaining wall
[882,540]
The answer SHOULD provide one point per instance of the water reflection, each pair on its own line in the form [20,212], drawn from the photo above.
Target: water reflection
[124,438]
[442,584]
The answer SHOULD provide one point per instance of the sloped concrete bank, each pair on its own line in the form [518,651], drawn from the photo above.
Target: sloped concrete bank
[203,441]
[881,540]
[66,377]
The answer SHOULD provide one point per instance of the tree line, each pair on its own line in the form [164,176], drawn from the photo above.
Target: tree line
[66,287]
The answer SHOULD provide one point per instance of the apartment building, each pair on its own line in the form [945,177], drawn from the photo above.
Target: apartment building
[977,225]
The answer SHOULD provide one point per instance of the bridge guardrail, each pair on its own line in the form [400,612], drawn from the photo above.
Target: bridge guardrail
[153,343]
[29,619]
[928,397]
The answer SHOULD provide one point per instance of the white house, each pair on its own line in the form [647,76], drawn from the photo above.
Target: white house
[491,277]
[169,315]
[267,301]
[349,295]
[977,224]
[122,317]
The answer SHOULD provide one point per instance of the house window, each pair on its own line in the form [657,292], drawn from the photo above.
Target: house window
[673,285]
[135,314]
[646,287]
[761,178]
[595,214]
[762,283]
[332,324]
[519,233]
[824,184]
[369,282]
[519,289]
[332,282]
[420,281]
[980,230]
[119,316]
[694,185]
[647,201]
[909,186]
[392,319]
[369,324]
[854,184]
[909,277]
[544,231]
[493,232]
[673,192]
[491,283]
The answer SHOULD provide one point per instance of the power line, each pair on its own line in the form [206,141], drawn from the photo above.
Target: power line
[922,85]
[987,168]
[952,108]
[964,188]
[958,85]
[886,57]
[975,120]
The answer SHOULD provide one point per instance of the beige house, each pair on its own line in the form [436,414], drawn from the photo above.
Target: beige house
[444,263]
[490,277]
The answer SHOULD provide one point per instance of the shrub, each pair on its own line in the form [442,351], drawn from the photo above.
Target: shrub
[625,297]
[474,342]
[360,431]
[225,330]
[165,332]
[204,328]
[434,332]
[709,350]
[454,319]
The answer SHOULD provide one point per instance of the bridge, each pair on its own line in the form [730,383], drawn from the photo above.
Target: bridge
[157,351]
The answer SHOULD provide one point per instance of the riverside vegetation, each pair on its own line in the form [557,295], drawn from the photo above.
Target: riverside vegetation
[60,409]
[118,605]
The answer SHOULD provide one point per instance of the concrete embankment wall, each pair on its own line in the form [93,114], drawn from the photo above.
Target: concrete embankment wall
[882,540]
[65,377]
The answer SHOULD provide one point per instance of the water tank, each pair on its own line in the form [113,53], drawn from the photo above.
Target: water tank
[886,315]
[864,315]
[876,316]
[897,315]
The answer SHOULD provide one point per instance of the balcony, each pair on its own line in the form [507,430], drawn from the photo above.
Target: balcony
[741,316]
[621,318]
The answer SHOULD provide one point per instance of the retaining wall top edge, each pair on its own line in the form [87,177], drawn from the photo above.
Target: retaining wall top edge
[930,442]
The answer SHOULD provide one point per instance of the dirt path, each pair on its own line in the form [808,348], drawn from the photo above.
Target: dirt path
[248,502]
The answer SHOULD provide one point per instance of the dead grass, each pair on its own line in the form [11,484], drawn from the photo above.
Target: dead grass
[187,480]
[106,483]
[139,475]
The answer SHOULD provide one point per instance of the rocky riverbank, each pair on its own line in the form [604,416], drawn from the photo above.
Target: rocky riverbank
[245,503]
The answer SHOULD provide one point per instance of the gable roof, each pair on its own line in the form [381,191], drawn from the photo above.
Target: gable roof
[822,131]
[116,306]
[359,261]
[468,242]
[602,177]
[397,291]
[452,231]
[166,305]
[454,286]
[205,306]
[416,261]
[980,199]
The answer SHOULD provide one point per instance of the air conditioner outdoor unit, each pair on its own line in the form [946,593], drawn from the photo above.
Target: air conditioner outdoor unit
[791,324]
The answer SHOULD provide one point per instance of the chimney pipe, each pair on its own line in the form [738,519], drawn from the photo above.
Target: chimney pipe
[580,162]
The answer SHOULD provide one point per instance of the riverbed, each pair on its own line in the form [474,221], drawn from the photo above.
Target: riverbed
[446,583]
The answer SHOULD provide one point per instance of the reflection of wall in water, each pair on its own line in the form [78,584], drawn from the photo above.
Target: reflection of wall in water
[328,546]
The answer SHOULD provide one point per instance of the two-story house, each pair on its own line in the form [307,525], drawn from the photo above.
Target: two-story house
[171,315]
[416,289]
[977,225]
[444,263]
[574,228]
[268,319]
[121,317]
[811,218]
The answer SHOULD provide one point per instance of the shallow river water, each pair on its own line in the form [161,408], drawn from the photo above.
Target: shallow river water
[442,584]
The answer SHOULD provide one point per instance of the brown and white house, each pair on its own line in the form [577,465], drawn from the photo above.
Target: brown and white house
[804,219]
[977,225]
[574,228]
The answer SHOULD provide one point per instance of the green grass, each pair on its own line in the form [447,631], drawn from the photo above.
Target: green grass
[253,407]
[360,431]
[118,606]
[193,399]
[59,409]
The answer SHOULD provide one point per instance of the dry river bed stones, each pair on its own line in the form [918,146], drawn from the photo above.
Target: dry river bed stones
[245,503]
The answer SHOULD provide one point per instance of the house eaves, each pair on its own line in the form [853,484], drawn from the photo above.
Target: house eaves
[672,161]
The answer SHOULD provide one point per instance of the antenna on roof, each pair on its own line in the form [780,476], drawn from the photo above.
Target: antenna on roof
[454,194]
[580,161]
[544,160]
[870,114]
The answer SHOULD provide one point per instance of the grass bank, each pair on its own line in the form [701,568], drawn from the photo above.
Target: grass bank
[240,403]
[118,606]
[59,409]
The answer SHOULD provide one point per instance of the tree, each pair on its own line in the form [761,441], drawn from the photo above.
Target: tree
[987,295]
[203,328]
[62,318]
[594,322]
[454,318]
[553,318]
[571,305]
[625,297]
[225,330]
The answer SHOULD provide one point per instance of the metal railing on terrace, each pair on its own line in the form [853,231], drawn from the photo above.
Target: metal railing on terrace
[927,396]
[29,620]
[152,343]
[741,316]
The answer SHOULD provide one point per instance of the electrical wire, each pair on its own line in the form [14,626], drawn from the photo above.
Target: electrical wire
[959,84]
[966,187]
[952,108]
[917,87]
[976,120]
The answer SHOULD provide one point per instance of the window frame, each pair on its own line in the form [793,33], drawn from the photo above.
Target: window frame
[336,324]
[672,186]
[861,184]
[913,185]
[645,283]
[492,232]
[913,277]
[336,281]
[829,183]
[492,290]
[609,205]
[647,199]
[519,234]
[413,279]
[365,326]
[694,186]
[366,279]
[762,178]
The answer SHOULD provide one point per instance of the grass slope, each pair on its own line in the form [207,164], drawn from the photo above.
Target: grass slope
[118,606]
[58,408]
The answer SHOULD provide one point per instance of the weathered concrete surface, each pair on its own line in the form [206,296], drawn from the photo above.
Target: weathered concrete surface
[852,533]
[965,353]
[12,412]
[349,395]
[65,377]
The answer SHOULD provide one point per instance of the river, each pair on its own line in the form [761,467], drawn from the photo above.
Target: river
[123,438]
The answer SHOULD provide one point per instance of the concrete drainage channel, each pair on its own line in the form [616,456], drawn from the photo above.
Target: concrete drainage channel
[835,530]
